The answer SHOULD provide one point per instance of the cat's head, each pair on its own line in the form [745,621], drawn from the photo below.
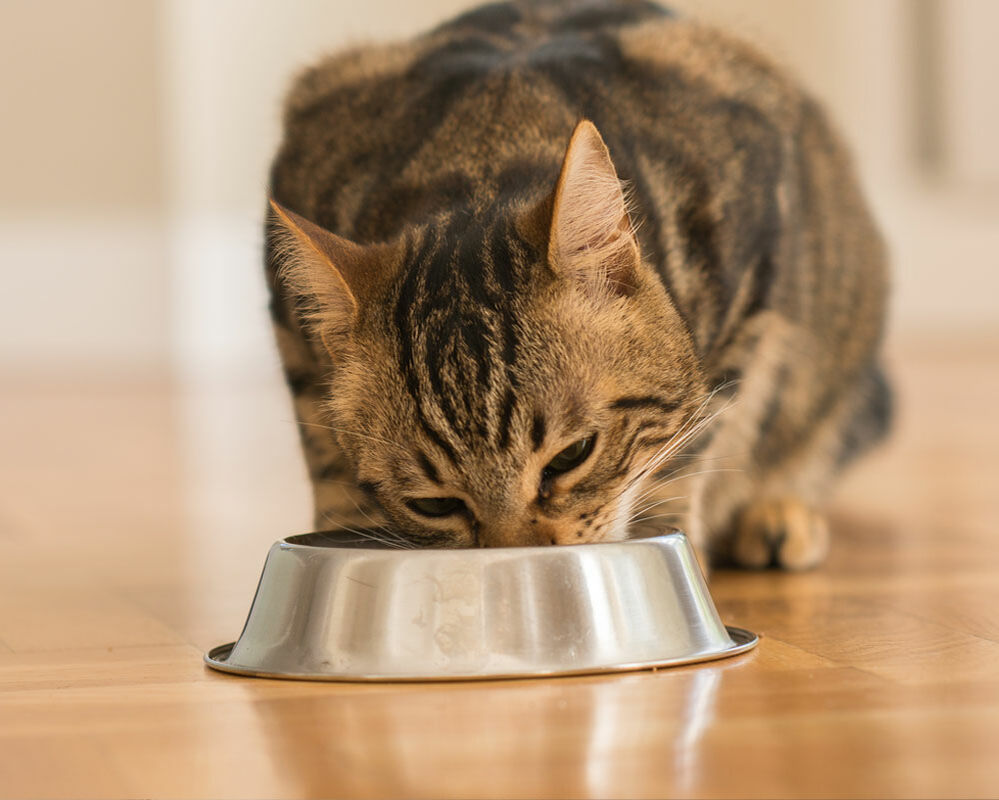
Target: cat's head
[505,378]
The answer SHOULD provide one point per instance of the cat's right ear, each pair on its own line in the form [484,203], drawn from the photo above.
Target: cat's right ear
[592,240]
[333,275]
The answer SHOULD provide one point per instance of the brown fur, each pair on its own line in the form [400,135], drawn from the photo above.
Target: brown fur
[461,289]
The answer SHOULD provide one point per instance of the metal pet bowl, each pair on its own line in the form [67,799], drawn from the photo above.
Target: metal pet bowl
[334,606]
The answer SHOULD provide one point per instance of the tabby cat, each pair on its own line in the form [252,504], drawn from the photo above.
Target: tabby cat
[555,270]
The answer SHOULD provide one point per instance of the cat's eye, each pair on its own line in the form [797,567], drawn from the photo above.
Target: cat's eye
[570,458]
[436,506]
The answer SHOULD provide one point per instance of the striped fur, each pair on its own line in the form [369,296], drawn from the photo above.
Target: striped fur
[489,329]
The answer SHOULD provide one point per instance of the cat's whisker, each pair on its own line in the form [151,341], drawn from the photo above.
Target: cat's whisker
[650,506]
[350,432]
[673,478]
[696,422]
[669,515]
[690,428]
[637,519]
[361,510]
[379,526]
[403,541]
[672,443]
[698,456]
[679,474]
[663,483]
[703,422]
[341,521]
[644,470]
[350,496]
[682,436]
[387,537]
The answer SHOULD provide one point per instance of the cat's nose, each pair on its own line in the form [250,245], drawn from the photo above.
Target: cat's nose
[530,533]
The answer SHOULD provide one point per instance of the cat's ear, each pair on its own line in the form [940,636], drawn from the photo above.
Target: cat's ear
[334,276]
[591,237]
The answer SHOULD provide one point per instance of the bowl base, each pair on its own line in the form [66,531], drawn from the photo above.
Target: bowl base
[742,641]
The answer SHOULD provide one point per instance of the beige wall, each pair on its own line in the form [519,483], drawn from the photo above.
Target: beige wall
[136,137]
[82,132]
[852,54]
[911,85]
[226,65]
[81,243]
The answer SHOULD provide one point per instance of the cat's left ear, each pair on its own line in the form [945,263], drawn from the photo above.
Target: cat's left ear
[335,276]
[591,238]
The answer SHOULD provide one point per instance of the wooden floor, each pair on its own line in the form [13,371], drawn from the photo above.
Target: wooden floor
[134,519]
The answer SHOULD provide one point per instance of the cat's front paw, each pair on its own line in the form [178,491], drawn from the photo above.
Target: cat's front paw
[782,533]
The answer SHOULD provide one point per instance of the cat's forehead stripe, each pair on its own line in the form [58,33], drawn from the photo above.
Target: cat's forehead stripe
[428,467]
[456,327]
[646,401]
[505,417]
[408,299]
[538,430]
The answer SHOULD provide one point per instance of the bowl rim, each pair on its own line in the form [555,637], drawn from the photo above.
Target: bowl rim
[361,545]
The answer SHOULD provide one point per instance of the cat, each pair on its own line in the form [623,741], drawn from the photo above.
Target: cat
[555,272]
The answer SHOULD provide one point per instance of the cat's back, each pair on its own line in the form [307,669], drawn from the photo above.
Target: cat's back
[543,37]
[380,137]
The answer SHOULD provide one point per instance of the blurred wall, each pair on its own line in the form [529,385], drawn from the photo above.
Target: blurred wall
[137,133]
[911,85]
[81,208]
[227,64]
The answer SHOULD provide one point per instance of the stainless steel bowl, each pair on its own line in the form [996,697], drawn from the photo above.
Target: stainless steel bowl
[331,606]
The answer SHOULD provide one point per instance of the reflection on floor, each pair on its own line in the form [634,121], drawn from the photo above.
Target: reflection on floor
[134,521]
